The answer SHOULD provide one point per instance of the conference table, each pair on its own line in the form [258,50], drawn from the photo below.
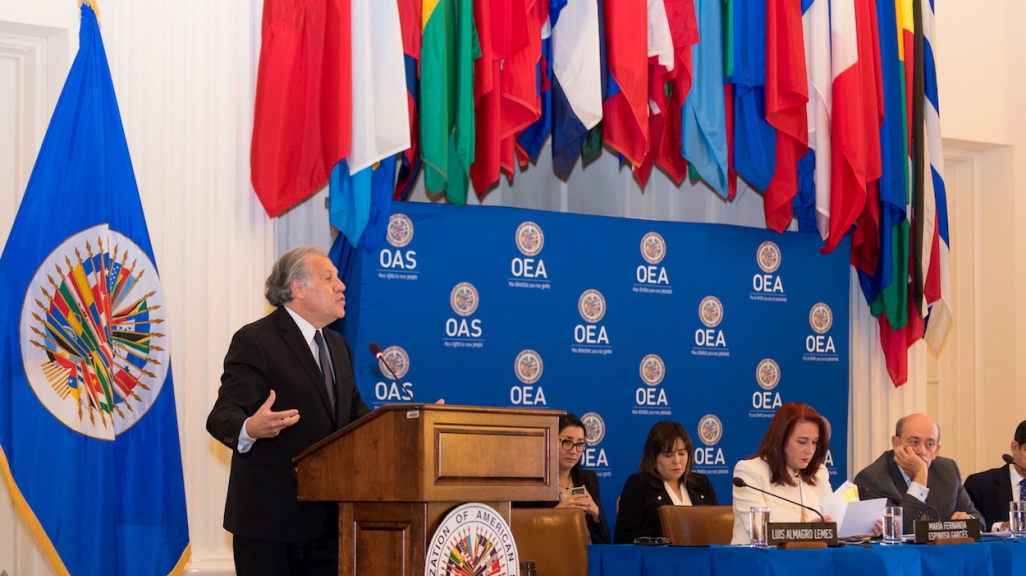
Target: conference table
[989,556]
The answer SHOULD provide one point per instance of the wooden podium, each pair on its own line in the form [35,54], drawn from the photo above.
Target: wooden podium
[399,470]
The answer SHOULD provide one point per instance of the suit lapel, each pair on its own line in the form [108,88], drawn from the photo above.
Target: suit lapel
[1004,488]
[293,336]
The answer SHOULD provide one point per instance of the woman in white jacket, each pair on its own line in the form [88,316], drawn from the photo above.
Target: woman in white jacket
[789,463]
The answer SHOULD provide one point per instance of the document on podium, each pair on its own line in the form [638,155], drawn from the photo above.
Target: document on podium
[854,517]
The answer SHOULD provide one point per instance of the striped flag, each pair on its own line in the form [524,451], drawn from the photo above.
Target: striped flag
[576,80]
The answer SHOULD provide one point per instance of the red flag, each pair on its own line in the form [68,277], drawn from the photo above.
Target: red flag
[787,94]
[625,111]
[411,24]
[521,97]
[302,120]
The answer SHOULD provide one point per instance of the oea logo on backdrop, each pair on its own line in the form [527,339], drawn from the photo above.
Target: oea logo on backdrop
[819,347]
[765,402]
[709,459]
[472,539]
[595,458]
[652,279]
[649,400]
[528,368]
[767,286]
[399,361]
[591,338]
[709,341]
[398,264]
[464,332]
[529,272]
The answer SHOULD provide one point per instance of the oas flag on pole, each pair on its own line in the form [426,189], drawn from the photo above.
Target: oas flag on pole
[88,435]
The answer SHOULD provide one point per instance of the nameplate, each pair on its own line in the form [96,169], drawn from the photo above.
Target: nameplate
[786,532]
[929,530]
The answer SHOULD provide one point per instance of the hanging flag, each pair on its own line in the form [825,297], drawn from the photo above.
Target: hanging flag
[89,442]
[521,89]
[660,70]
[349,200]
[448,49]
[531,140]
[754,140]
[787,97]
[625,108]
[816,28]
[577,77]
[381,122]
[938,278]
[302,118]
[703,122]
[409,162]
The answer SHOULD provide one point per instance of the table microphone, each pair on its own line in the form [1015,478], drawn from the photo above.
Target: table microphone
[740,483]
[376,351]
[1008,459]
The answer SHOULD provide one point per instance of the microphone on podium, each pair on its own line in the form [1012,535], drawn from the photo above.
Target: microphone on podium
[740,483]
[376,351]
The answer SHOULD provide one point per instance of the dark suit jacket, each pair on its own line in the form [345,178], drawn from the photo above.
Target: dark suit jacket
[883,478]
[598,530]
[991,491]
[642,495]
[270,354]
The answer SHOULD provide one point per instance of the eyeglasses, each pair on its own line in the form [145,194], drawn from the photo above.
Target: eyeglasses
[569,445]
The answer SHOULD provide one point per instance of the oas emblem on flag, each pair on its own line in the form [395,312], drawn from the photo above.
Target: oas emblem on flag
[400,230]
[472,539]
[768,257]
[89,333]
[591,305]
[464,299]
[594,428]
[397,359]
[528,366]
[821,318]
[710,429]
[767,374]
[530,238]
[652,370]
[653,248]
[710,311]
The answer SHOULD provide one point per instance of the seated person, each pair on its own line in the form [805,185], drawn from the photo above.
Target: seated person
[572,475]
[665,480]
[993,489]
[789,463]
[914,477]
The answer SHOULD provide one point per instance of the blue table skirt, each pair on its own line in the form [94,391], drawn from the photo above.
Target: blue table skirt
[985,558]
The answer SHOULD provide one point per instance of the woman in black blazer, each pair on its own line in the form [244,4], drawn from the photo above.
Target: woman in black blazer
[572,475]
[665,466]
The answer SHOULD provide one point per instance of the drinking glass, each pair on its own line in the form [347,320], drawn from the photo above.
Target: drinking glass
[759,522]
[893,527]
[1017,518]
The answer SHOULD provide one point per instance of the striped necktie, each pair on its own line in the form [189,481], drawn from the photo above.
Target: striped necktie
[329,380]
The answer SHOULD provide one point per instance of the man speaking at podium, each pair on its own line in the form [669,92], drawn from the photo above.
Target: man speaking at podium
[287,384]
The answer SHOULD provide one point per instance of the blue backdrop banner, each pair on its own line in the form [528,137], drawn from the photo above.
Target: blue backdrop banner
[622,322]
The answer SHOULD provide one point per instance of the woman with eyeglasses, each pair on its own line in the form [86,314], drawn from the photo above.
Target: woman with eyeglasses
[665,480]
[578,488]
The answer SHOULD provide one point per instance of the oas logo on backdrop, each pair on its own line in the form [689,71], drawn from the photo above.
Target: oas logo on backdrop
[767,286]
[710,341]
[649,400]
[594,457]
[398,360]
[652,279]
[819,347]
[90,339]
[710,459]
[529,271]
[765,402]
[591,338]
[399,263]
[472,539]
[466,331]
[528,369]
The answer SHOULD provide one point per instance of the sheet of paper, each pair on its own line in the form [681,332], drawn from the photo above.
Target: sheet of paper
[860,517]
[836,505]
